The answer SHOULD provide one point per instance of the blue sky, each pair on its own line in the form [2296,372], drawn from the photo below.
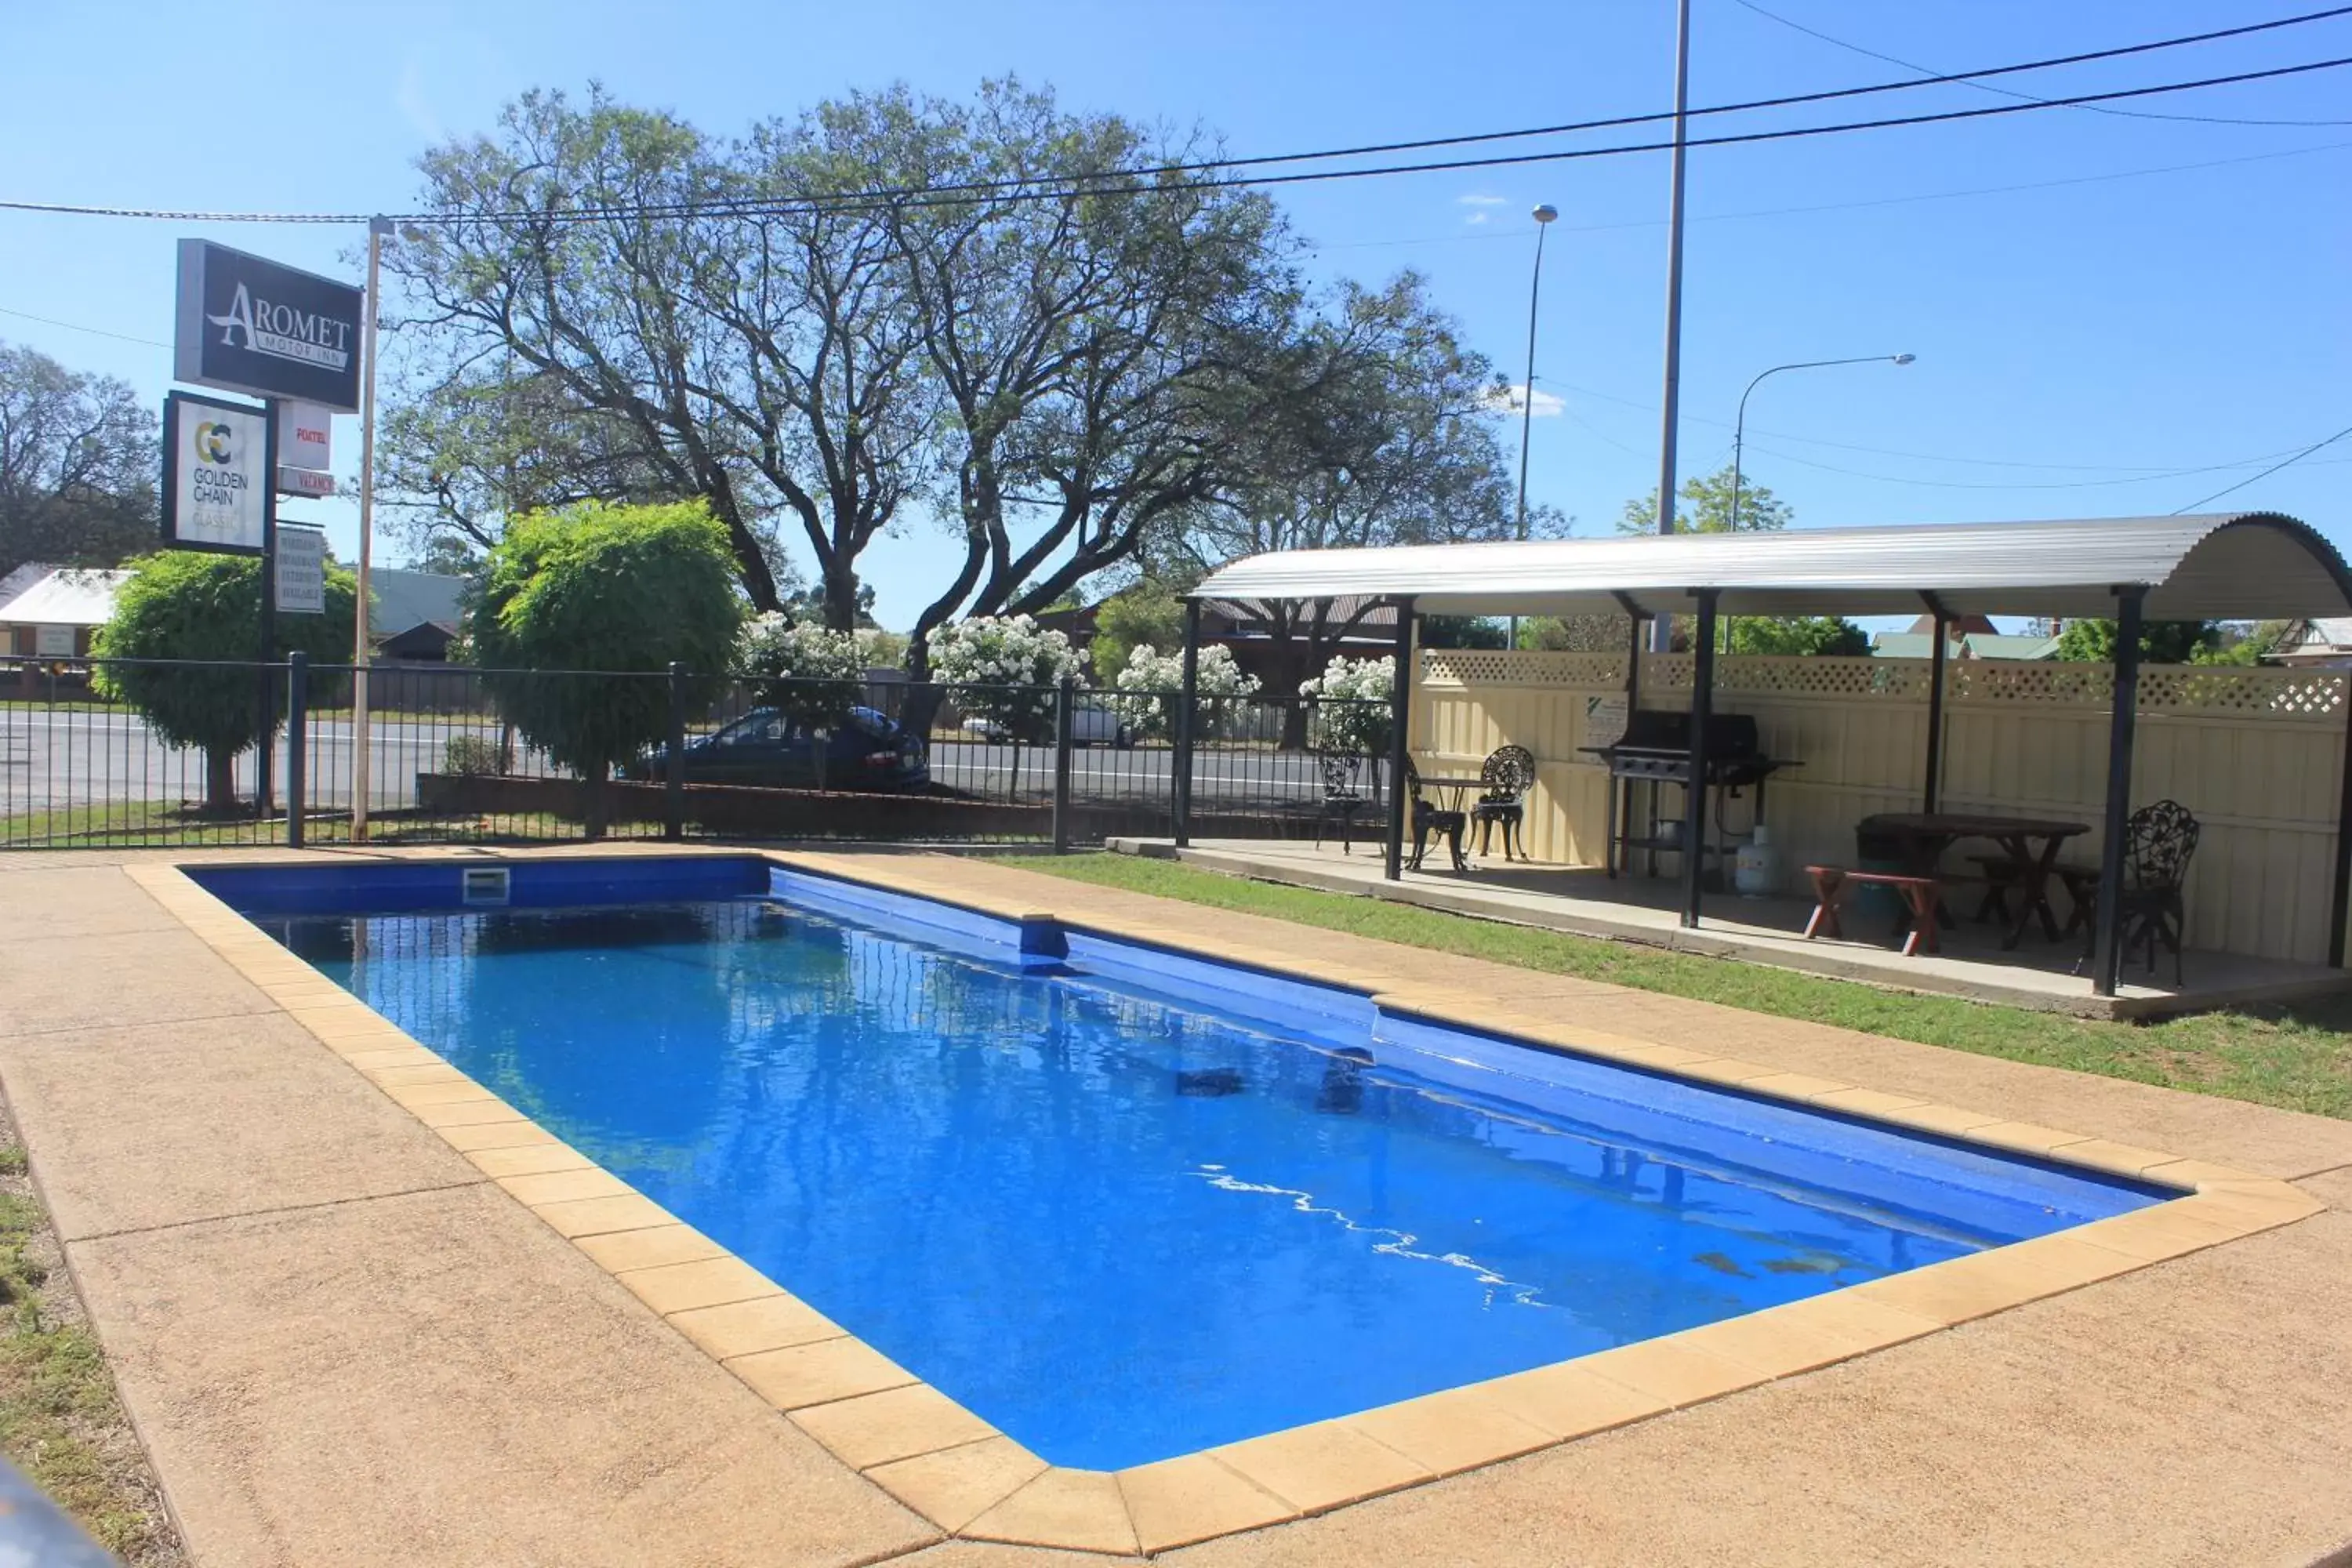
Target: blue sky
[2077,343]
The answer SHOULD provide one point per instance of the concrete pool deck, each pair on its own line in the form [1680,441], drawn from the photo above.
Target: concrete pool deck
[341,1341]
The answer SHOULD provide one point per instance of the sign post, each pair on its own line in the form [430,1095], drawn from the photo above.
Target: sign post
[248,324]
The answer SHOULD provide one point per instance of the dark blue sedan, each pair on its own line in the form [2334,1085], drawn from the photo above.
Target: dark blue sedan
[863,750]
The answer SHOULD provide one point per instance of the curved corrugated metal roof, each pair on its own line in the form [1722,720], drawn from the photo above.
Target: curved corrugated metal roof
[2240,566]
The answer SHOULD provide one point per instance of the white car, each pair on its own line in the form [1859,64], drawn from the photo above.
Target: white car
[1090,726]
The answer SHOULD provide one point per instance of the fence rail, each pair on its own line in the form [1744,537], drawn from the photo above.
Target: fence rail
[99,752]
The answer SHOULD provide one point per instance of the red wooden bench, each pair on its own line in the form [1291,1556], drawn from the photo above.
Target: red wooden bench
[1920,894]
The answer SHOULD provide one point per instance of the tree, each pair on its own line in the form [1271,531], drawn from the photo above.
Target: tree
[189,605]
[2161,642]
[1827,637]
[77,466]
[1703,505]
[1146,613]
[1575,634]
[2243,643]
[1052,377]
[1384,432]
[596,587]
[1464,631]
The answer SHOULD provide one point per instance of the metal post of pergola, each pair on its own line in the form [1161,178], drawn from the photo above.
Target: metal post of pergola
[1399,716]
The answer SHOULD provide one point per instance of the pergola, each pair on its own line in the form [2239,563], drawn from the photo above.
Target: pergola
[2234,566]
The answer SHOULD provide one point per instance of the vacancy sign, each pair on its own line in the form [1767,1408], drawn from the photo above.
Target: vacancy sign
[301,571]
[215,475]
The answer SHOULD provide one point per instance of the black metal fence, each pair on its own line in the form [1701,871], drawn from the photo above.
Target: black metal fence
[98,752]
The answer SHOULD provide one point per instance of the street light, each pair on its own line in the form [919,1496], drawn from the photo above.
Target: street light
[1544,215]
[1739,427]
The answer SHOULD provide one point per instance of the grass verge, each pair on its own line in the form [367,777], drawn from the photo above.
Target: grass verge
[2298,1058]
[60,1420]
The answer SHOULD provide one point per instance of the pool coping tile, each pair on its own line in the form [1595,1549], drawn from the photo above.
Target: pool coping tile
[971,1480]
[1076,1510]
[1194,1497]
[1322,1464]
[952,1486]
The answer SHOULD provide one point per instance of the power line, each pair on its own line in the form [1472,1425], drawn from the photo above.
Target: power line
[2011,92]
[2140,479]
[2266,473]
[73,327]
[1167,176]
[1856,205]
[2137,472]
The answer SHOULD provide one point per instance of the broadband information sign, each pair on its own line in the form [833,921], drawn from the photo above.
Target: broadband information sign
[216,475]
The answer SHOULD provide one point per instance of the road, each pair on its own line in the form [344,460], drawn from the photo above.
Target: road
[51,759]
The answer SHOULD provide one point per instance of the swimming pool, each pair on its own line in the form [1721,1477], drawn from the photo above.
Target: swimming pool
[1121,1203]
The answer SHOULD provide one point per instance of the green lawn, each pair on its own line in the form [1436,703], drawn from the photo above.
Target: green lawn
[2298,1058]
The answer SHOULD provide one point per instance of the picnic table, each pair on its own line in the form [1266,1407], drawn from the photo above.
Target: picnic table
[2031,844]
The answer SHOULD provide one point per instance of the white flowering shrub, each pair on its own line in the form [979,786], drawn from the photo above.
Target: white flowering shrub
[1153,683]
[1003,669]
[806,670]
[1352,704]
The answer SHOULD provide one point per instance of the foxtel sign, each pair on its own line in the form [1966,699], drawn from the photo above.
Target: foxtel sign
[253,326]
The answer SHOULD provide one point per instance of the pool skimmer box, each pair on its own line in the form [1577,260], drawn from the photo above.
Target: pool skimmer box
[484,886]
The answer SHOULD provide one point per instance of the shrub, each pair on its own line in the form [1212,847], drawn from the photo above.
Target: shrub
[1005,669]
[471,755]
[806,671]
[604,587]
[1350,702]
[1152,681]
[189,605]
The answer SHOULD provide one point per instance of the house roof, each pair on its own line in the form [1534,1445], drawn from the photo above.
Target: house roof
[400,601]
[63,597]
[2239,565]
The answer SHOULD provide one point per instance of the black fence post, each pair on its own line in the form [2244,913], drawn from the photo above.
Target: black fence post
[1065,704]
[298,744]
[1179,794]
[674,759]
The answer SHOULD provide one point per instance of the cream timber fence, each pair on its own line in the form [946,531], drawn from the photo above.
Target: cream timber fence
[2257,755]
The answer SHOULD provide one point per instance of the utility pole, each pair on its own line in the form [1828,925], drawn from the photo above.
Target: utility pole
[378,228]
[1661,626]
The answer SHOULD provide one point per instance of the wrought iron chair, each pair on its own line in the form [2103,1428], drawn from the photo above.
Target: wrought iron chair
[1429,820]
[1343,797]
[2159,840]
[1503,785]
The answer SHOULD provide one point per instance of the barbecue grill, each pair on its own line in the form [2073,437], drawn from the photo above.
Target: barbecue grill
[1656,749]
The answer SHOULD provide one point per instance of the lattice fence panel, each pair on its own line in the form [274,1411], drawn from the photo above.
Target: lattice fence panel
[1505,666]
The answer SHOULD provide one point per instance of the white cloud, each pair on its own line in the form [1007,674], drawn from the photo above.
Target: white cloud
[1512,400]
[1477,200]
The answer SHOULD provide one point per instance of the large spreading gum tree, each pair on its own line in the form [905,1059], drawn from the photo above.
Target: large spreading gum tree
[595,588]
[192,607]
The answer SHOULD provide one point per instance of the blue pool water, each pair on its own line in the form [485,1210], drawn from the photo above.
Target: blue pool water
[1125,1204]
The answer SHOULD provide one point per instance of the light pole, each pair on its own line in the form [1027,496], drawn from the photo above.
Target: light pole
[1739,426]
[1662,632]
[1544,215]
[379,230]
